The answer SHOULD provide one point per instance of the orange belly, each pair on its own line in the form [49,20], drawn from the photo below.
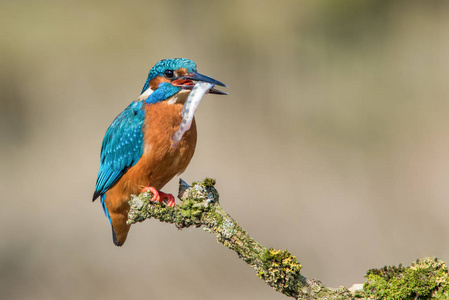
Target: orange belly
[159,163]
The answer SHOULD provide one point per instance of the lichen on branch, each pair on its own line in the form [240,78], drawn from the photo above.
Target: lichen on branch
[200,207]
[424,279]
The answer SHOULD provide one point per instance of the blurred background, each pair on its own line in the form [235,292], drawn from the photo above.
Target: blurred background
[333,142]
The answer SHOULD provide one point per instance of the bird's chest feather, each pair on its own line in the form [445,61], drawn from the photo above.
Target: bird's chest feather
[159,157]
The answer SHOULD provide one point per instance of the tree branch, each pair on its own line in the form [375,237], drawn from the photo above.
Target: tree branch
[200,207]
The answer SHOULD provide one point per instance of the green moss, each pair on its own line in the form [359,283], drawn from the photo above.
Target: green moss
[162,212]
[281,270]
[202,190]
[209,182]
[191,212]
[426,279]
[197,207]
[359,294]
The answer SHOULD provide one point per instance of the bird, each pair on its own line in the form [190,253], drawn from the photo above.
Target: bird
[137,152]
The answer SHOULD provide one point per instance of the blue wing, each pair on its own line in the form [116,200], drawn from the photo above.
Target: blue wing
[123,142]
[122,147]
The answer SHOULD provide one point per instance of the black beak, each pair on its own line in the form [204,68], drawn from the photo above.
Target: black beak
[200,77]
[217,92]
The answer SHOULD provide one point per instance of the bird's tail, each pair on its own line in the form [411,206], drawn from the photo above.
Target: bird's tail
[106,212]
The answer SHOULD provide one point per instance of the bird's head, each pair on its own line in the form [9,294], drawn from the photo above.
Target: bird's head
[179,72]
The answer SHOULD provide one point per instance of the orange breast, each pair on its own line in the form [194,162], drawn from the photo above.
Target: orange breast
[160,162]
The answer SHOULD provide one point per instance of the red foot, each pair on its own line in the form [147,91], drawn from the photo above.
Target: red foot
[159,196]
[170,199]
[156,196]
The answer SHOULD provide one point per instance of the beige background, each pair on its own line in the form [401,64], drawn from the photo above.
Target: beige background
[333,142]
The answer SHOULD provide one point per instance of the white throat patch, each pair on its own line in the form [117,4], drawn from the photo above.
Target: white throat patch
[145,94]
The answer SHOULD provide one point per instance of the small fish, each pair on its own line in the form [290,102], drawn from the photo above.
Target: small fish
[189,109]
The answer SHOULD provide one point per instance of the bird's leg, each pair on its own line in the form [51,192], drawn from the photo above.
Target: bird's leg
[159,196]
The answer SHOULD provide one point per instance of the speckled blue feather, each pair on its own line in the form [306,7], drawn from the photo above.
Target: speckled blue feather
[121,147]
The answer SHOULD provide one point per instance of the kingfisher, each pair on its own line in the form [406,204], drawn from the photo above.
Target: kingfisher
[137,153]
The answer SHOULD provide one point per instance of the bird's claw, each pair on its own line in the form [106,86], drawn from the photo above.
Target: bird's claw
[159,196]
[152,190]
[170,200]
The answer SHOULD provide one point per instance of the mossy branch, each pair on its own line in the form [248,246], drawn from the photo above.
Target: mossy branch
[199,207]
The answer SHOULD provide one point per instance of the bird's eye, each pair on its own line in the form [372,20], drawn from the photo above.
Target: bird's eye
[169,73]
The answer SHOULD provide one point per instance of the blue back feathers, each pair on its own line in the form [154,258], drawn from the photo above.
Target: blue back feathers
[121,147]
[168,64]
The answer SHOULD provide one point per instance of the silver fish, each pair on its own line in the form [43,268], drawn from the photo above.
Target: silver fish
[189,109]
